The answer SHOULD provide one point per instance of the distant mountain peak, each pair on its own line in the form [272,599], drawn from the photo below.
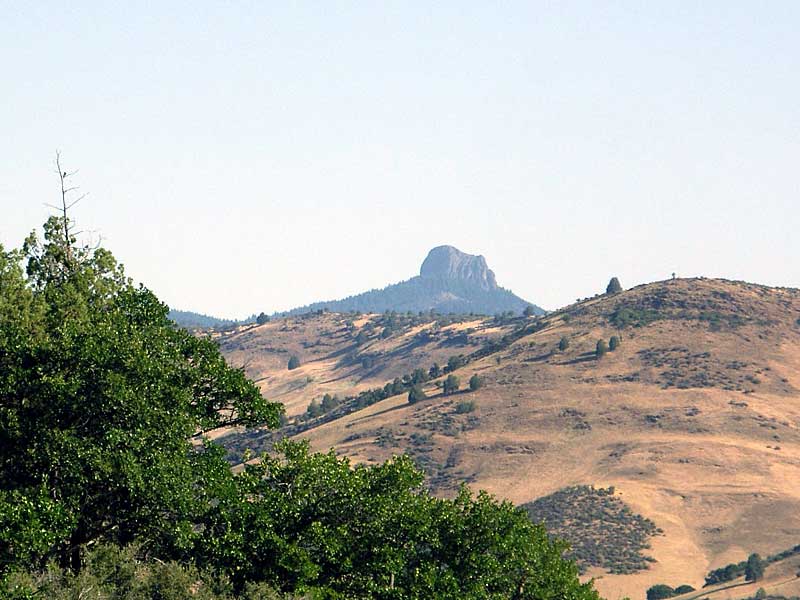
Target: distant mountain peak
[448,262]
[449,281]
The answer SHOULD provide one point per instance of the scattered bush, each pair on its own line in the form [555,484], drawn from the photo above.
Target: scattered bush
[683,589]
[601,349]
[475,382]
[613,343]
[262,318]
[465,407]
[600,529]
[416,394]
[660,591]
[563,344]
[451,385]
[294,362]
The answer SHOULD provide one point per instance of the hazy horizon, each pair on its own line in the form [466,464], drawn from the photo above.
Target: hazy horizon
[252,158]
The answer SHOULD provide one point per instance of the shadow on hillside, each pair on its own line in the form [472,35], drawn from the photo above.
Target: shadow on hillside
[540,358]
[582,358]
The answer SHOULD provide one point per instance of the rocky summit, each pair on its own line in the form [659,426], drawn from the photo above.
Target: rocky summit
[450,281]
[447,262]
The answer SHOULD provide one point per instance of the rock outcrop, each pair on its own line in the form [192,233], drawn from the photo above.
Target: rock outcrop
[447,262]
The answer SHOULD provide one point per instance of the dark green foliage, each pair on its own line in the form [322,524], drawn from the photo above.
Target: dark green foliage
[726,573]
[613,343]
[454,362]
[601,530]
[683,589]
[100,395]
[529,311]
[464,407]
[600,349]
[475,382]
[294,362]
[625,316]
[262,318]
[416,394]
[435,371]
[114,573]
[734,570]
[754,569]
[563,344]
[660,591]
[451,385]
[614,286]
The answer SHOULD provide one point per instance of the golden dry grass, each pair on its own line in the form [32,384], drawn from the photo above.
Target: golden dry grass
[695,419]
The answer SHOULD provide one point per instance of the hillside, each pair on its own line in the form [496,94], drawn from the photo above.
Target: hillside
[694,420]
[450,281]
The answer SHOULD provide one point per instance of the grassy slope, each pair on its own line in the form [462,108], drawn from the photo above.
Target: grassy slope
[695,419]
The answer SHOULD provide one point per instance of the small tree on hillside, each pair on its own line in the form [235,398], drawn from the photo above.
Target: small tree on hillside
[600,349]
[475,382]
[262,318]
[613,343]
[416,394]
[529,311]
[754,569]
[435,371]
[294,362]
[614,286]
[563,344]
[660,591]
[451,385]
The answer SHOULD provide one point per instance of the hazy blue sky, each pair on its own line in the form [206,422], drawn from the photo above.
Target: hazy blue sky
[242,157]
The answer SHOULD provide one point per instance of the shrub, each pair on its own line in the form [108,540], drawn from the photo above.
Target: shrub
[455,362]
[465,407]
[660,591]
[294,362]
[563,344]
[613,343]
[683,589]
[416,394]
[600,349]
[451,385]
[475,382]
[529,311]
[761,593]
[262,318]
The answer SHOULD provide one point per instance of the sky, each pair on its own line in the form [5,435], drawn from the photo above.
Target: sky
[242,157]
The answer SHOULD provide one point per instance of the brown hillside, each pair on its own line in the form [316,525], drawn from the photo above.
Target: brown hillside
[694,420]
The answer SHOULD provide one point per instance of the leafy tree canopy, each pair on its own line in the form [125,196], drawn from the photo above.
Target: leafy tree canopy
[100,395]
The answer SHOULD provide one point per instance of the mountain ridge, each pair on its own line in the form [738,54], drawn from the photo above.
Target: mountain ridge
[450,281]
